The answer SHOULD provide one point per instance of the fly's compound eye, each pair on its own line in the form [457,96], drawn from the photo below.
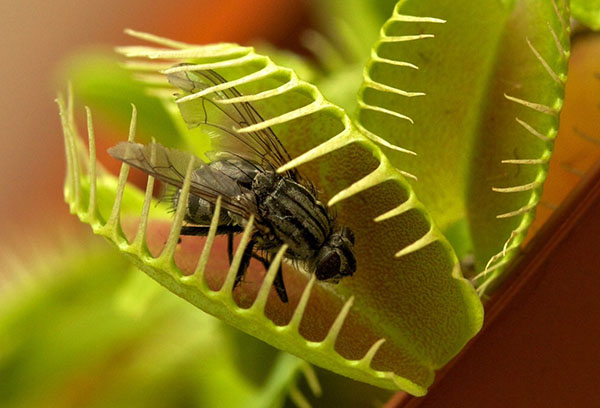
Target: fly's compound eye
[328,267]
[348,234]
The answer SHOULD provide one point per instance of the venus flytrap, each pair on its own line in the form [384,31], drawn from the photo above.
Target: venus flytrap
[446,155]
[221,303]
[325,335]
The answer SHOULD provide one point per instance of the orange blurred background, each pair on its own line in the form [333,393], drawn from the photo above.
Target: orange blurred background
[37,35]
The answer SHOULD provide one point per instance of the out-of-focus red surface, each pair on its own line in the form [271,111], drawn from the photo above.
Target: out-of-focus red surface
[577,146]
[37,35]
[539,346]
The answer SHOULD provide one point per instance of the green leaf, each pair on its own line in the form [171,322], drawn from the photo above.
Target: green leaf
[407,290]
[475,90]
[587,11]
[353,24]
[349,30]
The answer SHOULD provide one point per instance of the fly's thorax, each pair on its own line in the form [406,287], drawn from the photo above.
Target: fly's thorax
[294,215]
[242,171]
[265,183]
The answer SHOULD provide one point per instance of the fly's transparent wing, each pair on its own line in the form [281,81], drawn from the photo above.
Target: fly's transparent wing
[170,165]
[222,120]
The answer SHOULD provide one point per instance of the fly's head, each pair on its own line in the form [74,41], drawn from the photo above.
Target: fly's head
[335,259]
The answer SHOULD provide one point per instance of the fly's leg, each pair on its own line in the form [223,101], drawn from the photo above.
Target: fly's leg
[221,229]
[230,247]
[278,281]
[279,285]
[246,256]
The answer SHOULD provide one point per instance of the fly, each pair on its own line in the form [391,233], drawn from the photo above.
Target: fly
[243,173]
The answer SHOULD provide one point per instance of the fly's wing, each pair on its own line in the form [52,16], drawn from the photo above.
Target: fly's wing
[170,165]
[223,119]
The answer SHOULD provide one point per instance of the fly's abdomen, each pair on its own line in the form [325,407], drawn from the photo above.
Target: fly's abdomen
[199,211]
[228,177]
[296,218]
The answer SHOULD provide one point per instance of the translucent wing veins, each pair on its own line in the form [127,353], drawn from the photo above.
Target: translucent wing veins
[261,146]
[169,167]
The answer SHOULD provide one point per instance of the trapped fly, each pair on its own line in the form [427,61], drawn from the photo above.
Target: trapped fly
[243,173]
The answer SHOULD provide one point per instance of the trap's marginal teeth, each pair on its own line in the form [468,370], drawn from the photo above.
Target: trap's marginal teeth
[559,80]
[168,252]
[156,39]
[337,142]
[401,383]
[261,299]
[73,137]
[381,60]
[294,323]
[306,110]
[297,397]
[210,238]
[534,132]
[73,191]
[227,287]
[407,205]
[291,84]
[365,362]
[69,182]
[261,73]
[535,106]
[378,86]
[92,214]
[311,379]
[366,106]
[329,341]
[520,211]
[132,124]
[404,38]
[525,161]
[215,65]
[516,189]
[414,19]
[379,140]
[565,25]
[564,53]
[139,244]
[377,176]
[207,51]
[112,228]
[422,242]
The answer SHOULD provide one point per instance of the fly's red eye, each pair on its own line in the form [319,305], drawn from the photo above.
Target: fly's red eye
[328,267]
